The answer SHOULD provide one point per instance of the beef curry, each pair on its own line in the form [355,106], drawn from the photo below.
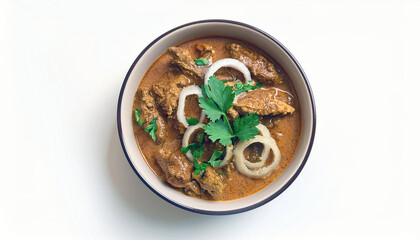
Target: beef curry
[216,118]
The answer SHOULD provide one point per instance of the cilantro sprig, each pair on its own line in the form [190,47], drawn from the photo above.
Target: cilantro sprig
[151,129]
[240,87]
[201,61]
[214,159]
[217,99]
[137,114]
[197,150]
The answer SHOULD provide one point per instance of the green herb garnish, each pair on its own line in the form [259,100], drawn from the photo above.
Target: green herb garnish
[214,159]
[192,121]
[151,129]
[200,167]
[217,99]
[245,127]
[219,130]
[196,149]
[137,113]
[240,88]
[201,61]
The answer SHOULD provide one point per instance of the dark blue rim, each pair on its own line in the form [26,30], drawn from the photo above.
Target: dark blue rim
[256,204]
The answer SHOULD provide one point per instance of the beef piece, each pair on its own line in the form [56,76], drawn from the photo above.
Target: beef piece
[149,111]
[167,90]
[262,102]
[193,189]
[185,62]
[175,165]
[211,182]
[204,50]
[229,74]
[261,69]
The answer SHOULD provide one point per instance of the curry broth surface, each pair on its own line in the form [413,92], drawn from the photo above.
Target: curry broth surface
[285,130]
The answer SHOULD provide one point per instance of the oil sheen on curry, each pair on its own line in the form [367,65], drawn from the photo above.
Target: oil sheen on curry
[216,118]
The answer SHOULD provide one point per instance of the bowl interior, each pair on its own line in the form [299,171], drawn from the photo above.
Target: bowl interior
[233,30]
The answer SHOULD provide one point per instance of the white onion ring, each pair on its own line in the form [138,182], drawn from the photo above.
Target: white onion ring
[186,141]
[264,155]
[228,155]
[228,62]
[261,172]
[180,113]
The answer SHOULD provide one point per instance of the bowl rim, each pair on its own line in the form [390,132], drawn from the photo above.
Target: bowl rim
[255,205]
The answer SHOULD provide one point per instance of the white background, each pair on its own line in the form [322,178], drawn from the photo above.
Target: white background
[63,174]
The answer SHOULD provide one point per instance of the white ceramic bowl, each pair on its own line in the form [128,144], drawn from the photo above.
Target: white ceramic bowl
[234,30]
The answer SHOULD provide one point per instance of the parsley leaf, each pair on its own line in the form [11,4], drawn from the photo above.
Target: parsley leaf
[217,99]
[137,113]
[240,88]
[214,159]
[192,121]
[210,108]
[219,130]
[238,85]
[201,61]
[203,91]
[197,150]
[244,127]
[199,167]
[222,95]
[151,129]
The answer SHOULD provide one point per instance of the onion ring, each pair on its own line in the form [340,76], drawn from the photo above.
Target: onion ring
[180,113]
[264,155]
[228,62]
[186,141]
[240,159]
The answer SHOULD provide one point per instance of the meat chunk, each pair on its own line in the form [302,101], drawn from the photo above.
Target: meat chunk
[204,50]
[149,111]
[262,102]
[182,59]
[175,165]
[193,189]
[211,182]
[261,69]
[167,90]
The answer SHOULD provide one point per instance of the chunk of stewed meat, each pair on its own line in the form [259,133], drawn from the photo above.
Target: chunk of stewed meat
[211,182]
[204,50]
[262,102]
[175,165]
[193,189]
[167,90]
[261,69]
[183,60]
[149,111]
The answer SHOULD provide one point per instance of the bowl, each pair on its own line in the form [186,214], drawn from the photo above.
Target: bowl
[231,29]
